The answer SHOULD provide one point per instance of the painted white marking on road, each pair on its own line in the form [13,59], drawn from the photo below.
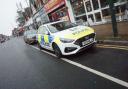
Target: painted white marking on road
[106,76]
[123,83]
[35,47]
[113,47]
[44,51]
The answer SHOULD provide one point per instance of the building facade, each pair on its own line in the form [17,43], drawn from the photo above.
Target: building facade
[90,12]
[94,12]
[39,15]
[56,10]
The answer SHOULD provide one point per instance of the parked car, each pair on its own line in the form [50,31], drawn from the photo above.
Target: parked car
[65,38]
[30,36]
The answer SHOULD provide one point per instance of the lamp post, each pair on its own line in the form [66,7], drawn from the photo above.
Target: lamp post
[113,17]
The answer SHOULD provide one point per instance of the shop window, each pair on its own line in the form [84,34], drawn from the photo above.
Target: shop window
[115,1]
[106,12]
[123,8]
[120,8]
[78,7]
[98,17]
[117,9]
[83,18]
[95,4]
[88,6]
[91,17]
[103,3]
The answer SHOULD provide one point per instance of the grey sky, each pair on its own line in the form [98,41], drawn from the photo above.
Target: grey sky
[8,14]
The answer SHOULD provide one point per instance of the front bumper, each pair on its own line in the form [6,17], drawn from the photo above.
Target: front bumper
[71,48]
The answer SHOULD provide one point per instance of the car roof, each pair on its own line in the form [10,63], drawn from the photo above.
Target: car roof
[53,22]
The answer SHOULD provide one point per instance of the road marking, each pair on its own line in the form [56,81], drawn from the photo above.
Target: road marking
[116,80]
[106,76]
[35,47]
[44,51]
[113,46]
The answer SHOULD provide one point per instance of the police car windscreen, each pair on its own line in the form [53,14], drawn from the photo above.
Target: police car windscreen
[60,26]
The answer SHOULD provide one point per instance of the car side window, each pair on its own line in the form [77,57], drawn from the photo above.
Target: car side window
[42,30]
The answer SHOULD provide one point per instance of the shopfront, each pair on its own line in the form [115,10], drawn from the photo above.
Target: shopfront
[56,10]
[96,12]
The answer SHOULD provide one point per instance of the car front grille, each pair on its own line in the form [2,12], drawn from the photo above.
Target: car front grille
[79,41]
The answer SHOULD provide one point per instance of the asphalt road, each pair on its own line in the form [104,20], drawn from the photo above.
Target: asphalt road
[24,67]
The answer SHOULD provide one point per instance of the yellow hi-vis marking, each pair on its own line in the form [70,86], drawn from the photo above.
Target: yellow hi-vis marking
[39,38]
[46,40]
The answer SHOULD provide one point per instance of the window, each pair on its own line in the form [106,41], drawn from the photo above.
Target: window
[123,8]
[115,1]
[88,6]
[98,17]
[29,32]
[80,20]
[91,17]
[105,12]
[42,30]
[84,18]
[103,3]
[78,7]
[60,26]
[95,4]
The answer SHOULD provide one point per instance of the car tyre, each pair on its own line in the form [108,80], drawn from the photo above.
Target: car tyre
[57,51]
[39,46]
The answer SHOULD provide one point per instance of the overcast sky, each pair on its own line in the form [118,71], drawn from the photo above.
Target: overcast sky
[8,14]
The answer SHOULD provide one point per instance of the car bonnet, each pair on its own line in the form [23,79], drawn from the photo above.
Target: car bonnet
[75,32]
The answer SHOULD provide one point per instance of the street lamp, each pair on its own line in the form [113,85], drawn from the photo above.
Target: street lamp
[113,17]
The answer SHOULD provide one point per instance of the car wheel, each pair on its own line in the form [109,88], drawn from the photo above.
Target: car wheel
[39,46]
[31,42]
[57,51]
[25,40]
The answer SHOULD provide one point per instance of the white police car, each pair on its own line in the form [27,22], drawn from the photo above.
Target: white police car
[65,38]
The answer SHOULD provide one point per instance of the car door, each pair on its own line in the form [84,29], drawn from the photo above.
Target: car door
[43,37]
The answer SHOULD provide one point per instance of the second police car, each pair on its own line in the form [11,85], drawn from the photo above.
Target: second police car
[65,38]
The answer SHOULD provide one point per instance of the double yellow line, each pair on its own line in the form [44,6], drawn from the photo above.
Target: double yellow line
[113,46]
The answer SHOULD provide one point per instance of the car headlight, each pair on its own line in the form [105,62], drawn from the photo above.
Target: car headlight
[64,40]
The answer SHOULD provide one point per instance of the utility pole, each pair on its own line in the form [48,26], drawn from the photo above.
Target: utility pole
[113,17]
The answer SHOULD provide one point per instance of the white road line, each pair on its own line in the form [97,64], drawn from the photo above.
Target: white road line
[45,51]
[123,83]
[35,47]
[112,47]
[116,80]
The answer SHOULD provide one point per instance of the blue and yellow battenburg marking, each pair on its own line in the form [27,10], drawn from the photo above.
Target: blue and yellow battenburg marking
[46,39]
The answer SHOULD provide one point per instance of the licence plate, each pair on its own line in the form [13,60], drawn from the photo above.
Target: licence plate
[87,41]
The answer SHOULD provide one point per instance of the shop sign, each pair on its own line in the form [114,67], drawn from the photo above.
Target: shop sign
[53,4]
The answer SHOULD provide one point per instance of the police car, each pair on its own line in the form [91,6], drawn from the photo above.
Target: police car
[65,38]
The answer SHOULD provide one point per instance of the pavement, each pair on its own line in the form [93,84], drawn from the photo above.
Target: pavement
[24,66]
